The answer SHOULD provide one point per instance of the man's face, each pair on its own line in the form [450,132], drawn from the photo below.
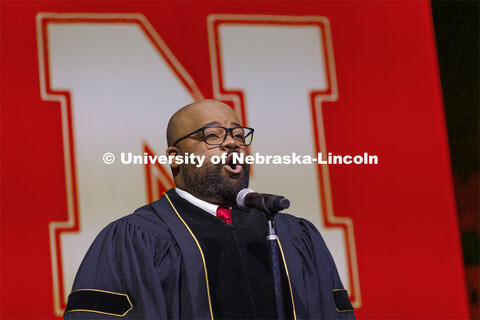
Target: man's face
[216,183]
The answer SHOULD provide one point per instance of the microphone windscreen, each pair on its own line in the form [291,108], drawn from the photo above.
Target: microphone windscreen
[241,198]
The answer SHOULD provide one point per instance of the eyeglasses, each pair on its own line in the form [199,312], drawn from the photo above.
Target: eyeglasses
[215,135]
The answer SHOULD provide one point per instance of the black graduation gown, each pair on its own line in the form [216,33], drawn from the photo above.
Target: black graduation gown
[153,264]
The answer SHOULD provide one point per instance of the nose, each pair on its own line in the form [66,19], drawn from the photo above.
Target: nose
[229,142]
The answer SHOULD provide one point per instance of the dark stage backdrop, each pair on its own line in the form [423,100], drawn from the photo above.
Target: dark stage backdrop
[82,79]
[457,33]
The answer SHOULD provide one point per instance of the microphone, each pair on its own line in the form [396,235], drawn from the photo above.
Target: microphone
[249,199]
[269,204]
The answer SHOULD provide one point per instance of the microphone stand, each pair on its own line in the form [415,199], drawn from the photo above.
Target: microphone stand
[272,240]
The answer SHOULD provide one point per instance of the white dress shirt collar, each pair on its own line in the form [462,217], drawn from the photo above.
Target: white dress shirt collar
[210,208]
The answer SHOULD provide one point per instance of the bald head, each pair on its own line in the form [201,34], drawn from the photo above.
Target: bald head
[195,115]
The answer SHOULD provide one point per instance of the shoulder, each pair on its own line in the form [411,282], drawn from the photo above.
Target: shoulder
[296,225]
[140,235]
[302,233]
[148,217]
[144,223]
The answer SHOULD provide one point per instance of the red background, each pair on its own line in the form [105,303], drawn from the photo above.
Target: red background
[389,104]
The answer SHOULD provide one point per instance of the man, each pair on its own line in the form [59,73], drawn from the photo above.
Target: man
[186,256]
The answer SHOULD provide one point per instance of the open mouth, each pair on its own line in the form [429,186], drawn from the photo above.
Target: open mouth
[232,167]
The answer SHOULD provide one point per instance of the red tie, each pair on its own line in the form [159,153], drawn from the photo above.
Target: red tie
[224,214]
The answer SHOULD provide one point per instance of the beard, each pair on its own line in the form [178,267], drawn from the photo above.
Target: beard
[207,182]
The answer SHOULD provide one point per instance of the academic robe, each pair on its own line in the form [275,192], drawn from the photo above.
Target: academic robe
[173,260]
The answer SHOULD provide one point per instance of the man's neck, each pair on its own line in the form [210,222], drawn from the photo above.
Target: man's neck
[199,202]
[211,200]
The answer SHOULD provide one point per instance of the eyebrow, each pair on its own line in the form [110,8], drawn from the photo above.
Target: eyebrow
[216,123]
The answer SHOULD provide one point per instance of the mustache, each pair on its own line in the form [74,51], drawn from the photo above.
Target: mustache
[229,152]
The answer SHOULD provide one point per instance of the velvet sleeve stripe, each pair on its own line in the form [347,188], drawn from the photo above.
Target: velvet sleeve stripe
[99,301]
[342,301]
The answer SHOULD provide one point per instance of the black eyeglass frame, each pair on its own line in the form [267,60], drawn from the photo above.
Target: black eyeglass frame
[228,130]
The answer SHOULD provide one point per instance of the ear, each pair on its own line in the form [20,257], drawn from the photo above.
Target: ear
[173,151]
